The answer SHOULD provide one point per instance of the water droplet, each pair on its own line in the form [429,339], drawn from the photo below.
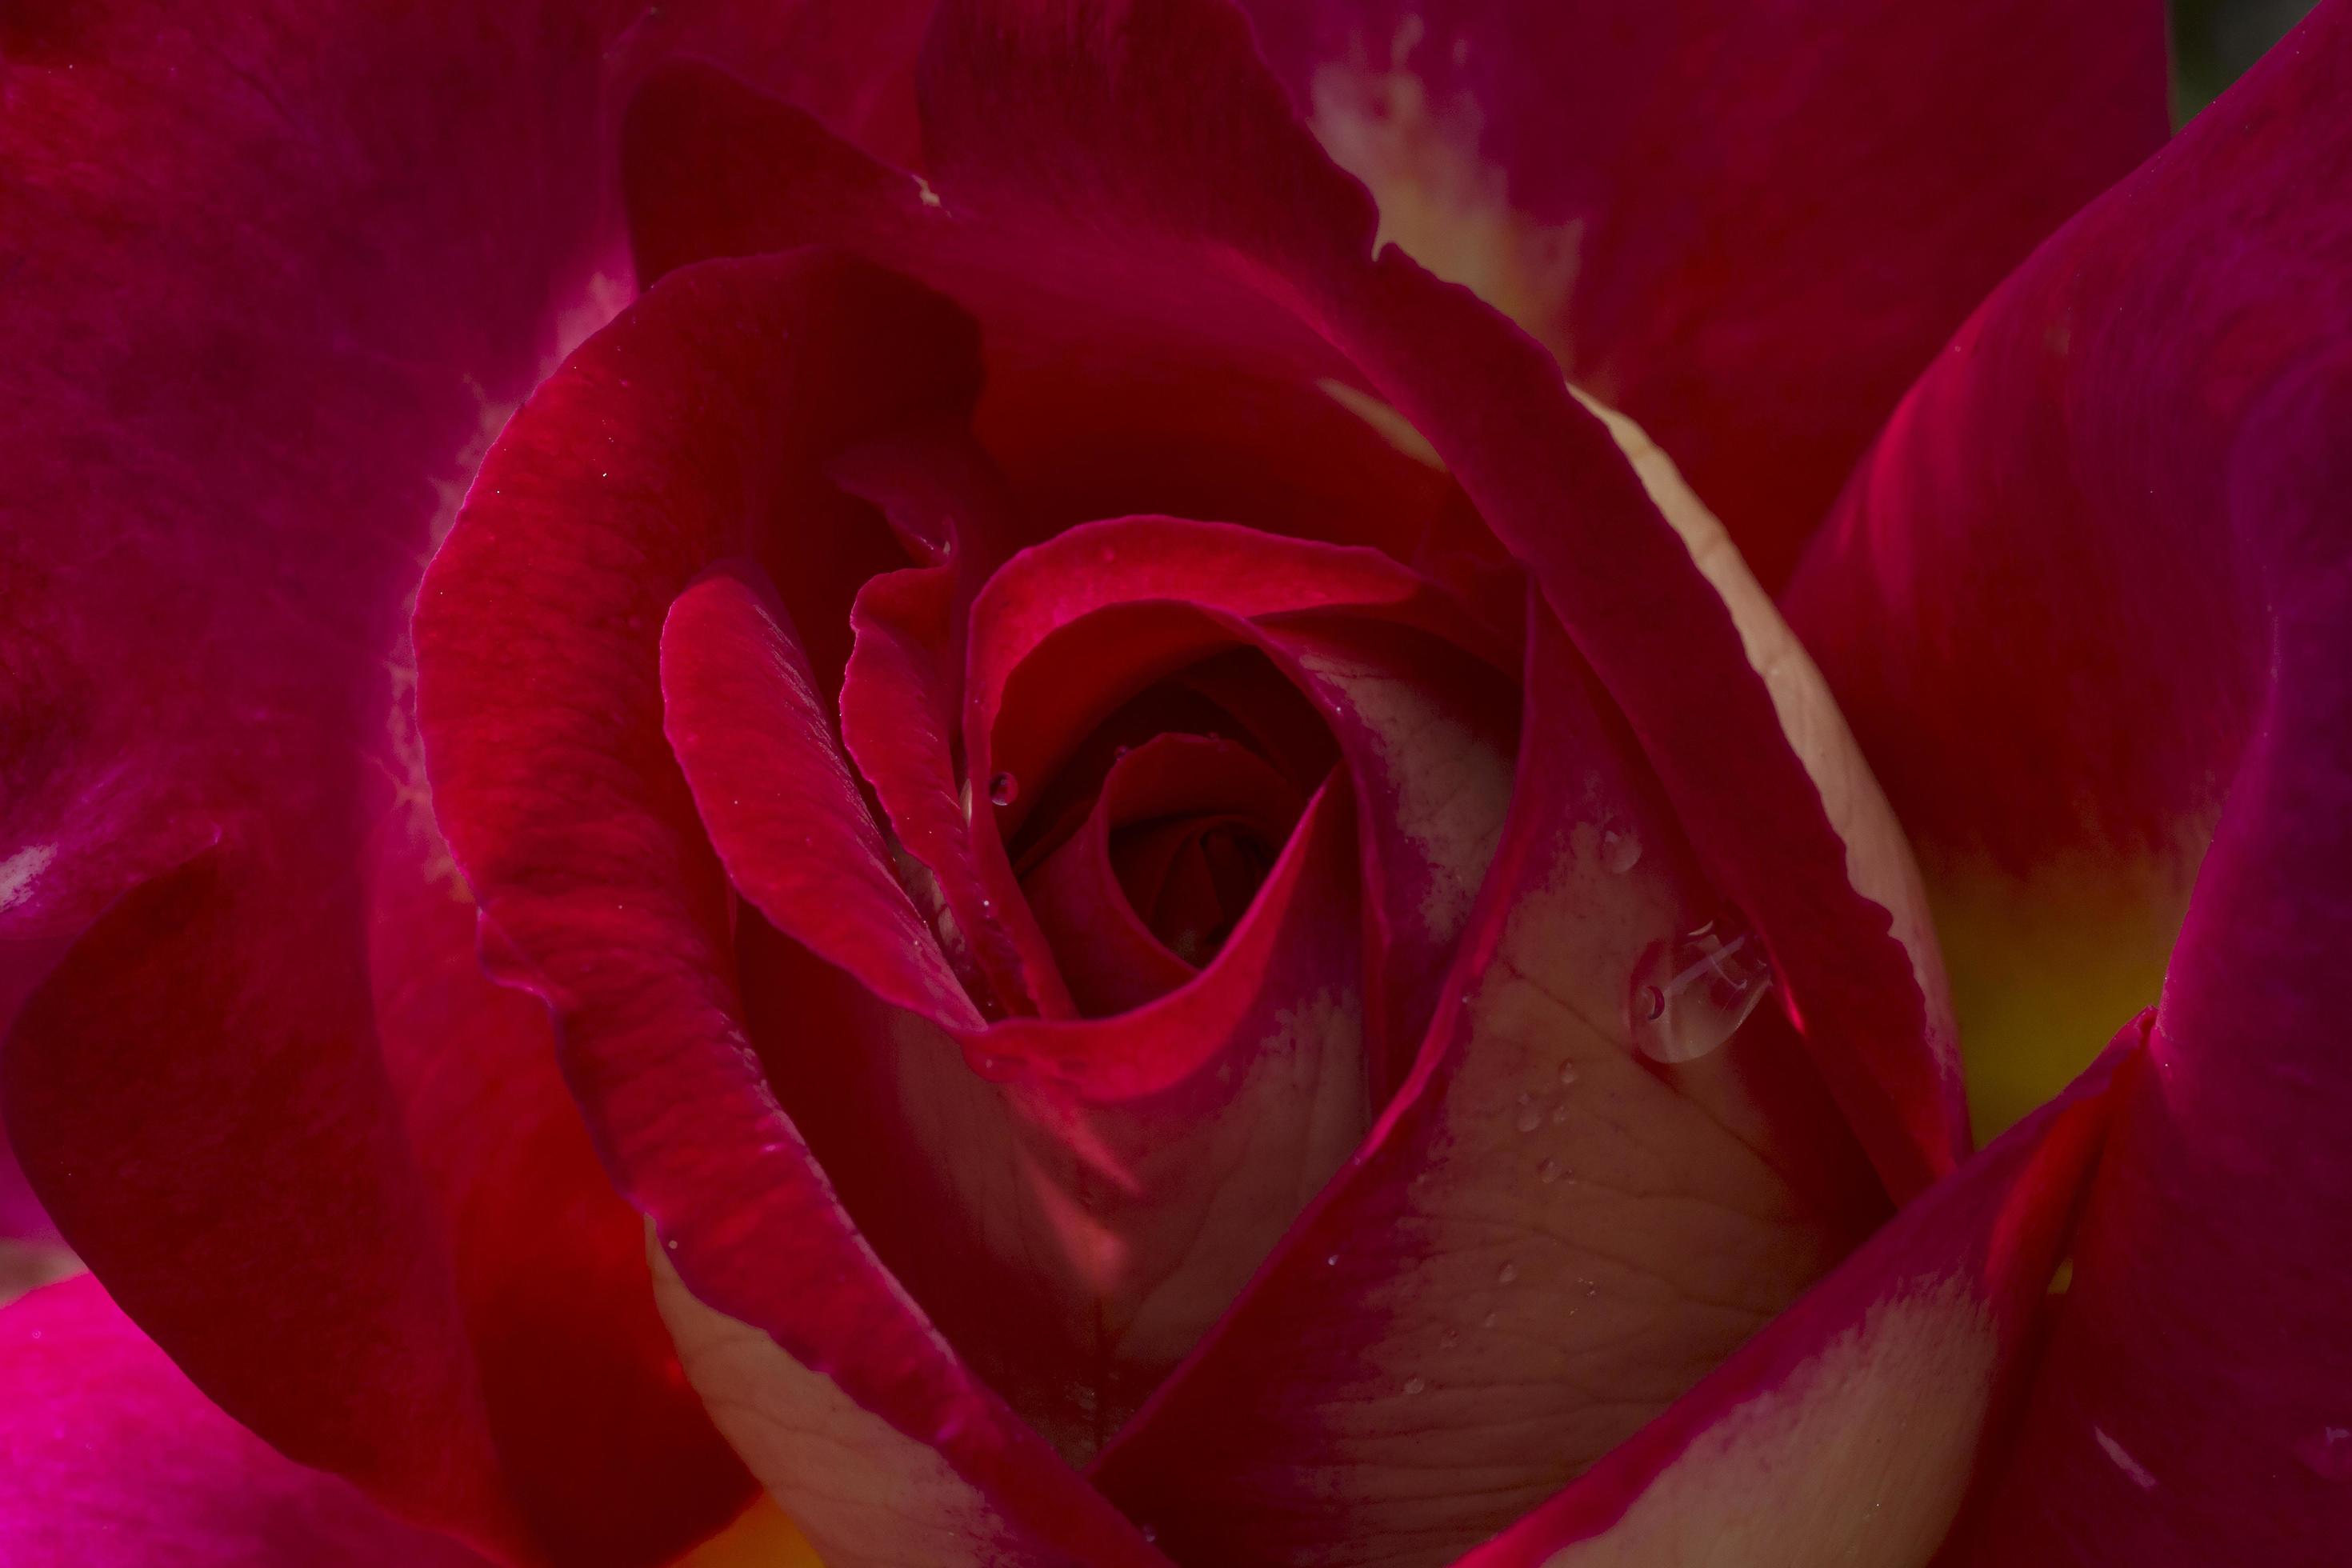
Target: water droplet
[1530,1114]
[991,1066]
[1415,1384]
[1689,995]
[1620,850]
[1507,1273]
[1449,1337]
[1332,1261]
[1150,1534]
[1567,1074]
[1489,1320]
[1548,1172]
[1003,789]
[1560,1113]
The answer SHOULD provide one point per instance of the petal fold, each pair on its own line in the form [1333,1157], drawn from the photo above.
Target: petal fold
[111,1458]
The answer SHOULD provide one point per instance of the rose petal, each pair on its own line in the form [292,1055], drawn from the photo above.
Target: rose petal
[1075,1218]
[1546,1240]
[277,271]
[111,1458]
[1424,725]
[696,427]
[1849,1430]
[1250,230]
[204,1114]
[1190,397]
[2116,508]
[609,1452]
[754,739]
[1095,913]
[1749,224]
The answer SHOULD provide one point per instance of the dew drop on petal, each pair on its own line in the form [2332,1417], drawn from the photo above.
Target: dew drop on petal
[1567,1074]
[1620,850]
[1530,1115]
[1507,1273]
[1548,1172]
[1003,789]
[1415,1384]
[1689,995]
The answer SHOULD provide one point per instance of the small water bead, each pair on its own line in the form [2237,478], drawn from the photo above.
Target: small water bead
[1003,789]
[1415,1384]
[1507,1273]
[1530,1114]
[1490,1320]
[1560,1114]
[1620,850]
[1332,1261]
[1691,995]
[1568,1074]
[1548,1172]
[993,1068]
[1449,1337]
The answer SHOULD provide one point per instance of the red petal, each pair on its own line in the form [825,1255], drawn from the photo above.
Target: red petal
[1545,1239]
[2116,510]
[1074,1226]
[1154,180]
[607,1449]
[209,1124]
[114,1460]
[1094,908]
[698,426]
[279,269]
[1747,223]
[755,740]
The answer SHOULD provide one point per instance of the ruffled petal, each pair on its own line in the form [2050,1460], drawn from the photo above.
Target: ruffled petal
[2115,511]
[111,1458]
[1749,224]
[697,427]
[1158,237]
[1546,1239]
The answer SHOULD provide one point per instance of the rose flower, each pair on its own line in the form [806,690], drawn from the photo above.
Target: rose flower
[1019,783]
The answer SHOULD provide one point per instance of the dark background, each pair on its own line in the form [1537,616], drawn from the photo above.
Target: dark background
[2213,40]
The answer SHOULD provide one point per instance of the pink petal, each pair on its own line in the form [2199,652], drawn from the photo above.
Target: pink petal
[1851,1430]
[2116,508]
[111,1458]
[685,432]
[1747,223]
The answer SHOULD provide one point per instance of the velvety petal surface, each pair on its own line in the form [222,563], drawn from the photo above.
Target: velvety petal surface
[2104,544]
[697,429]
[1749,224]
[1546,1239]
[111,1458]
[274,274]
[1252,204]
[1853,1427]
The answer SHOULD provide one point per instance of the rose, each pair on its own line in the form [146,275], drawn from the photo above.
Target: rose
[343,1193]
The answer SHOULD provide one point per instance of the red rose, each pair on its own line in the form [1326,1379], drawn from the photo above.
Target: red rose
[1197,915]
